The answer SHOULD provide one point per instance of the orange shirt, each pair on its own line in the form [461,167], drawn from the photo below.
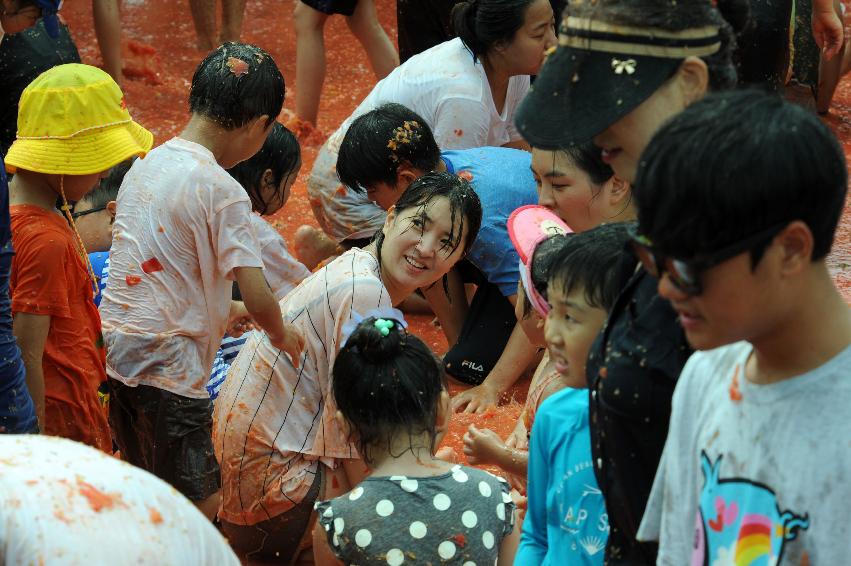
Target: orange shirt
[49,278]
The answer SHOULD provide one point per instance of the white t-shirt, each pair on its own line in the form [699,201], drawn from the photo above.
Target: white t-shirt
[452,94]
[282,271]
[62,502]
[272,422]
[182,225]
[754,474]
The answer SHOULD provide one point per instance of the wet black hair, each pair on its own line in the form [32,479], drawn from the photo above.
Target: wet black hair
[734,164]
[465,209]
[589,158]
[542,258]
[484,24]
[596,261]
[107,189]
[387,385]
[235,84]
[281,153]
[379,141]
[730,16]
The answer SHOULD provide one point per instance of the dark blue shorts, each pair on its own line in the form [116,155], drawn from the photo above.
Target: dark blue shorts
[344,7]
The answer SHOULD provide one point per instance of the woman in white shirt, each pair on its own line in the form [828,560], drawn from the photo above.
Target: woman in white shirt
[466,89]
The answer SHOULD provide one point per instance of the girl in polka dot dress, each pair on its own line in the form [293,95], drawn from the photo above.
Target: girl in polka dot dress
[413,508]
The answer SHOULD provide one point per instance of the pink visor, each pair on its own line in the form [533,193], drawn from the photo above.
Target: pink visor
[528,226]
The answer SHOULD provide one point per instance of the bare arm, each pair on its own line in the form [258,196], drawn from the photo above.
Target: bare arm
[518,144]
[484,447]
[108,32]
[264,309]
[31,331]
[515,358]
[828,30]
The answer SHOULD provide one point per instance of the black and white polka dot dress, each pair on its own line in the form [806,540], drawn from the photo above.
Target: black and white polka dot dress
[458,518]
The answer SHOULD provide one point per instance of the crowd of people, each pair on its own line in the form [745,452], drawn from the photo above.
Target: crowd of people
[596,195]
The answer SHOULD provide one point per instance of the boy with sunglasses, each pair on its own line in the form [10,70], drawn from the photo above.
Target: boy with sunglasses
[738,201]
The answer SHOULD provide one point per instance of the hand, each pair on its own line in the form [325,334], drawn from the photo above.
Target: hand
[290,342]
[477,399]
[827,30]
[482,446]
[519,437]
[239,320]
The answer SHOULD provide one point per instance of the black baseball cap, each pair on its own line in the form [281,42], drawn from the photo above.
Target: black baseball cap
[598,73]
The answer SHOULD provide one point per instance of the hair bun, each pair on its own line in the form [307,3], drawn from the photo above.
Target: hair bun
[377,339]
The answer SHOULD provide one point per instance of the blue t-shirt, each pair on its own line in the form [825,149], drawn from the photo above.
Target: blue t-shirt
[503,179]
[100,266]
[17,412]
[566,520]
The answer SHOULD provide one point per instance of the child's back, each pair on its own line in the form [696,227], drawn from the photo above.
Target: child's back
[182,225]
[460,515]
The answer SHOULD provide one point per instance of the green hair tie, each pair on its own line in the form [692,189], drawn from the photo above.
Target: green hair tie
[383,326]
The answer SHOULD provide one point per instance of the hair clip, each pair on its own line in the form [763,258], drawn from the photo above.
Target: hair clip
[383,326]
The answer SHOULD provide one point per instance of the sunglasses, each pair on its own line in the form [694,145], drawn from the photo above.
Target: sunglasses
[76,215]
[686,274]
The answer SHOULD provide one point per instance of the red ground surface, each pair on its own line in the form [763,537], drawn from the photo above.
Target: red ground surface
[161,52]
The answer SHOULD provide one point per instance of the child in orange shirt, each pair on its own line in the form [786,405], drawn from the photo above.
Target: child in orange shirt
[72,127]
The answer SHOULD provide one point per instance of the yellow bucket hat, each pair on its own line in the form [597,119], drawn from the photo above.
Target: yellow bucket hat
[72,120]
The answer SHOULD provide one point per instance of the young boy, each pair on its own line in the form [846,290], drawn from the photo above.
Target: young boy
[72,126]
[537,234]
[738,201]
[182,234]
[566,520]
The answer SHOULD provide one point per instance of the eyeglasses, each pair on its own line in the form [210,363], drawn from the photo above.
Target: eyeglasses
[76,215]
[686,274]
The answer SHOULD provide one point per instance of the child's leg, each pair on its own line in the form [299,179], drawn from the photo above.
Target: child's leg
[108,32]
[204,17]
[232,13]
[210,506]
[312,246]
[309,60]
[364,25]
[829,73]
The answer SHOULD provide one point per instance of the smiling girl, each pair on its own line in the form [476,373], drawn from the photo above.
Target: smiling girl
[275,434]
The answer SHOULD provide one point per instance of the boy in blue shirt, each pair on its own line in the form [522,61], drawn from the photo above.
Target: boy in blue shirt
[566,520]
[738,201]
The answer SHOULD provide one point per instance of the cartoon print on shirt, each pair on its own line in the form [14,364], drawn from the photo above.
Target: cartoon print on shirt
[739,521]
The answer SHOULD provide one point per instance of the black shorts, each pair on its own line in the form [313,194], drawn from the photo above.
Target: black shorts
[166,434]
[344,7]
[485,331]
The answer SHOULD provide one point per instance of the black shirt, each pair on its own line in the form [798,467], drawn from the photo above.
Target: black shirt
[632,369]
[24,56]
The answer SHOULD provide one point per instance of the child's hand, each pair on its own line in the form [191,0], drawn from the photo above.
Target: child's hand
[239,320]
[290,342]
[518,438]
[483,446]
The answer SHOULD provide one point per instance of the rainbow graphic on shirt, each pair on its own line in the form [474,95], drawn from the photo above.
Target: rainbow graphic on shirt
[739,522]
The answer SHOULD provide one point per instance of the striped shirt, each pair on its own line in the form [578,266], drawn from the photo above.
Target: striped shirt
[274,423]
